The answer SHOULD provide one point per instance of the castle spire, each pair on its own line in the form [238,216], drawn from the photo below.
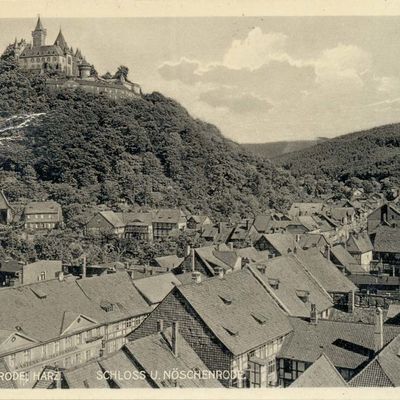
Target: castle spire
[39,26]
[60,41]
[39,34]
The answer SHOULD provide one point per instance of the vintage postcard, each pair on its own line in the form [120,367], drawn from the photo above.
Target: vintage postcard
[201,198]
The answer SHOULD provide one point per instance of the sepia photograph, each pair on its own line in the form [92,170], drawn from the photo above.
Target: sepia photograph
[200,197]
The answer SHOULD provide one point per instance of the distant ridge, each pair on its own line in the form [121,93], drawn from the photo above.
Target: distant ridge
[276,149]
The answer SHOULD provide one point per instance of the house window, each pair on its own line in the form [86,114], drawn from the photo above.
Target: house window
[56,347]
[88,355]
[68,342]
[271,366]
[67,362]
[12,360]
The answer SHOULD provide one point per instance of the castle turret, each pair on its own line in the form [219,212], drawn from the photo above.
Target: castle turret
[39,34]
[84,69]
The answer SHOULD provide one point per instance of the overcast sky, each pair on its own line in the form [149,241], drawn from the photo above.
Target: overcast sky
[259,79]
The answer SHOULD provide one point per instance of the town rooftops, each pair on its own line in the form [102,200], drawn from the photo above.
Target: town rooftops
[238,310]
[359,243]
[49,50]
[306,208]
[42,207]
[39,311]
[284,243]
[324,271]
[346,260]
[383,370]
[85,376]
[155,288]
[218,256]
[387,240]
[296,289]
[154,353]
[169,215]
[169,262]
[340,341]
[322,373]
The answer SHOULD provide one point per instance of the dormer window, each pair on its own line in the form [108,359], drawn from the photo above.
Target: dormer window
[226,299]
[232,331]
[274,283]
[107,306]
[260,318]
[303,295]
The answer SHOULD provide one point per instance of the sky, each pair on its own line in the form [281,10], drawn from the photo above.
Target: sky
[258,79]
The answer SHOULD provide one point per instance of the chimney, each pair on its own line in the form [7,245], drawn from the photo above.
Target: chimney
[219,272]
[196,276]
[84,267]
[174,338]
[219,227]
[328,251]
[350,302]
[297,238]
[313,315]
[61,276]
[188,249]
[378,331]
[160,325]
[192,260]
[230,244]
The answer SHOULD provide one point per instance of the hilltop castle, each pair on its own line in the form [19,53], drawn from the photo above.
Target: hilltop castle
[58,57]
[74,70]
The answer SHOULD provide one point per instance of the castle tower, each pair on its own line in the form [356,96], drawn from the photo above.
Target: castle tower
[84,69]
[39,34]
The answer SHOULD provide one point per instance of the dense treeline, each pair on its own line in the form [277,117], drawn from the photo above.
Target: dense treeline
[368,159]
[89,149]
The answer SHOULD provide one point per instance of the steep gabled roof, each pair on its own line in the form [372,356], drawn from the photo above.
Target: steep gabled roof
[335,339]
[227,306]
[322,373]
[387,240]
[155,288]
[4,204]
[359,243]
[113,218]
[41,207]
[383,370]
[85,376]
[324,271]
[154,354]
[281,242]
[346,260]
[39,26]
[294,280]
[60,41]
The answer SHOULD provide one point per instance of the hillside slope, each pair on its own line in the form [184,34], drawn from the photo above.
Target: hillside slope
[369,157]
[148,152]
[276,149]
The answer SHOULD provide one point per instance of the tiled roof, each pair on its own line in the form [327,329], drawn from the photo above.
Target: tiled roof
[309,222]
[60,41]
[324,271]
[120,363]
[85,376]
[170,262]
[371,376]
[308,341]
[113,218]
[262,222]
[220,256]
[11,266]
[218,234]
[155,288]
[40,207]
[384,370]
[306,208]
[310,240]
[293,281]
[346,260]
[169,215]
[252,254]
[46,379]
[153,353]
[230,304]
[359,243]
[387,240]
[282,242]
[338,213]
[42,51]
[322,373]
[41,317]
[134,218]
[118,289]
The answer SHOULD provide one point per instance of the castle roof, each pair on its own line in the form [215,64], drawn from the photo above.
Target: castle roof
[61,42]
[39,26]
[52,50]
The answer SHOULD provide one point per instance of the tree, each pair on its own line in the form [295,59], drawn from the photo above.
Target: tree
[122,71]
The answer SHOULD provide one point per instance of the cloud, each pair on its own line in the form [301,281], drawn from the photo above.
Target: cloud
[184,70]
[260,89]
[256,50]
[235,101]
